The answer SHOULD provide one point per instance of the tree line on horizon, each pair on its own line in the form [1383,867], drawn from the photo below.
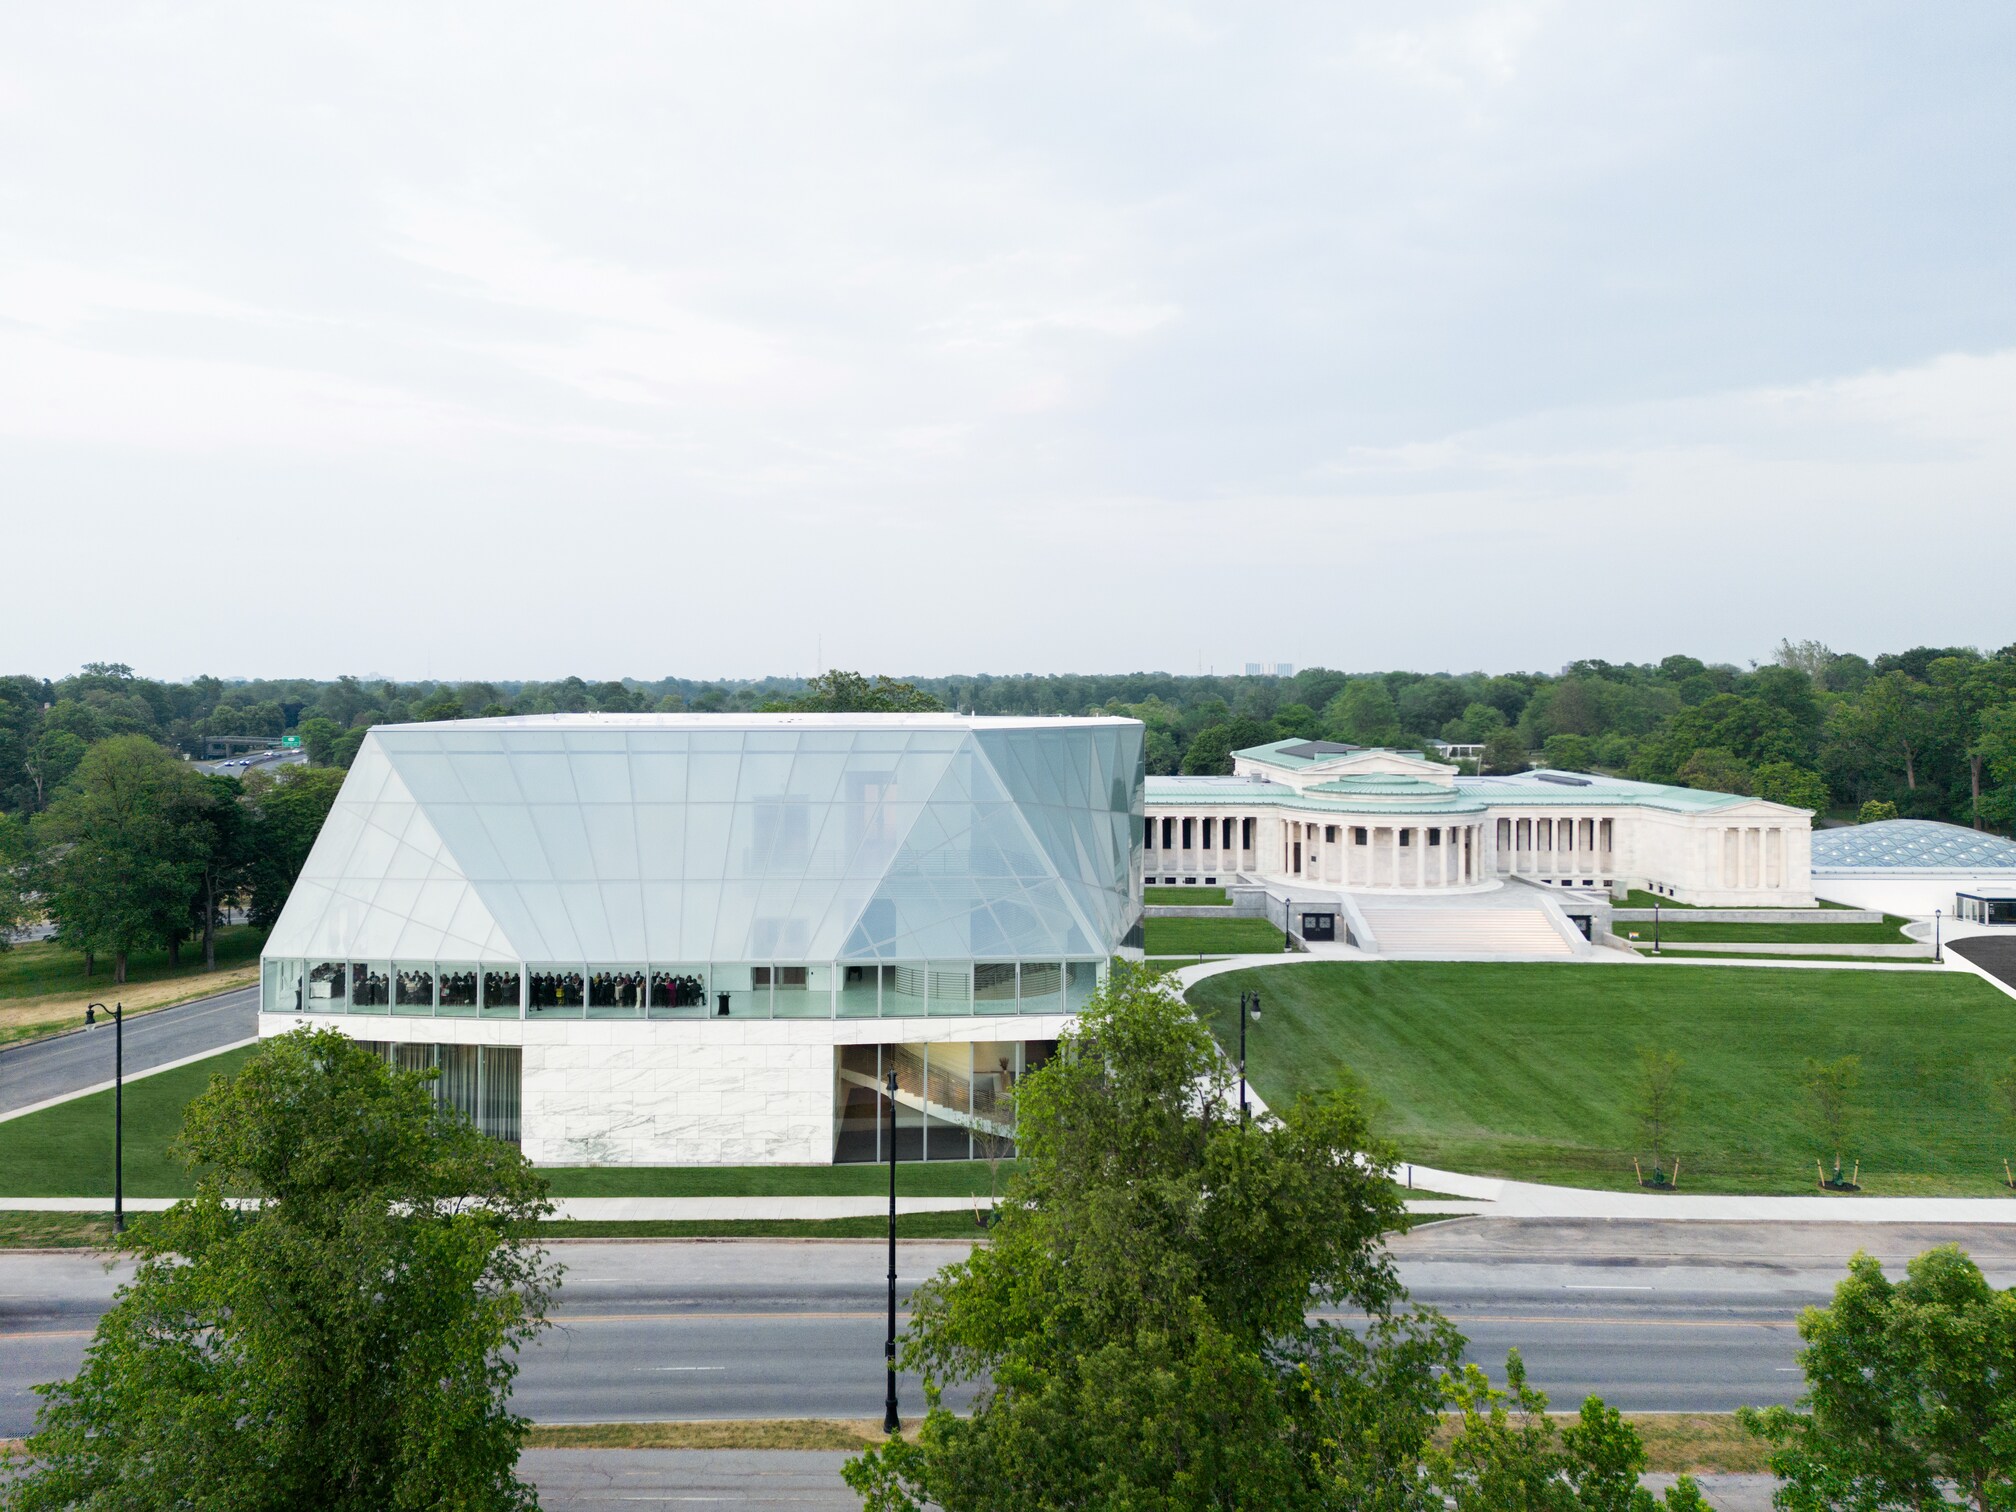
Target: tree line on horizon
[1925,733]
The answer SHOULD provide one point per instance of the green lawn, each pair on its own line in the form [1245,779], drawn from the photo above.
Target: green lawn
[1889,932]
[1639,898]
[66,1151]
[1186,897]
[44,968]
[1178,937]
[1527,1071]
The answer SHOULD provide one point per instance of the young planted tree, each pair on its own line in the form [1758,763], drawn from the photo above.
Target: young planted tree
[1910,1391]
[1660,1102]
[346,1343]
[1830,1088]
[1140,1328]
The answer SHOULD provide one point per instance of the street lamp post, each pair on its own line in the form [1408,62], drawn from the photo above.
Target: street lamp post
[1249,1008]
[1937,959]
[1655,926]
[118,1012]
[891,1423]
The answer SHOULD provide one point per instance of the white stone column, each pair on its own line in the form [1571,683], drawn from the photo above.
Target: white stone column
[1420,856]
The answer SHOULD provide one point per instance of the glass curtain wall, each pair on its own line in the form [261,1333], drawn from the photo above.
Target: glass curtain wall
[482,1082]
[635,990]
[954,1100]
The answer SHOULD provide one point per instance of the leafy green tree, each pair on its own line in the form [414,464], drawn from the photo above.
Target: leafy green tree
[344,748]
[1209,753]
[226,853]
[1568,753]
[1830,1089]
[1782,782]
[1875,811]
[1364,713]
[1139,1326]
[318,739]
[838,692]
[284,815]
[1910,1389]
[125,849]
[1717,771]
[1504,752]
[16,877]
[346,1343]
[51,760]
[1297,722]
[1508,1455]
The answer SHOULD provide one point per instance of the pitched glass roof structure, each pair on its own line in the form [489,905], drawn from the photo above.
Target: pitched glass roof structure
[675,837]
[1910,845]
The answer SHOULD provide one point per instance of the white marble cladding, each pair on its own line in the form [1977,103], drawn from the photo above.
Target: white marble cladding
[678,1092]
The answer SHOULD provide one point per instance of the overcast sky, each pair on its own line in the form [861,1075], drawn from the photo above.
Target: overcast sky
[518,340]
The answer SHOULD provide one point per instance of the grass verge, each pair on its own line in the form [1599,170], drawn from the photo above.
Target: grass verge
[1698,1442]
[1889,932]
[1531,1071]
[1639,898]
[1186,897]
[66,1151]
[1192,937]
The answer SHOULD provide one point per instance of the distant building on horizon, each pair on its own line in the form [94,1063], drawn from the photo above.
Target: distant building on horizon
[1270,669]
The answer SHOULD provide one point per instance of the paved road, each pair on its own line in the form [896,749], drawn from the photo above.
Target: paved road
[1994,954]
[36,1072]
[1651,1316]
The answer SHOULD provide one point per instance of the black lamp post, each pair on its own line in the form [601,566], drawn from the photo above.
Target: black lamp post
[118,1012]
[1249,1008]
[1937,958]
[891,1423]
[1655,926]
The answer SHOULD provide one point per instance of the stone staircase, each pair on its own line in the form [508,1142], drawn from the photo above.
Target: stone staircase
[1456,928]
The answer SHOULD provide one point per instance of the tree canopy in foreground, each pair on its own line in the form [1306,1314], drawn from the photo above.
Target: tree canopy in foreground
[346,1343]
[1910,1392]
[1142,1322]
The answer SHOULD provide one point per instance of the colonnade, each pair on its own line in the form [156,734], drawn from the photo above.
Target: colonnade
[1748,855]
[1201,845]
[1399,855]
[1556,845]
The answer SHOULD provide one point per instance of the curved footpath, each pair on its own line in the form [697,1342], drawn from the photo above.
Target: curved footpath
[1499,1198]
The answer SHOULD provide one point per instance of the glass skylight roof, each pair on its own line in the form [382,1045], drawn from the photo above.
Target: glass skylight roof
[727,838]
[1911,844]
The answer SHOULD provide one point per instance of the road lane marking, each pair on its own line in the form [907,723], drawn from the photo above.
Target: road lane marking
[1571,1286]
[879,1315]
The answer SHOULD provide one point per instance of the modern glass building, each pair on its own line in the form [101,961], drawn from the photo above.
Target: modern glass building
[703,938]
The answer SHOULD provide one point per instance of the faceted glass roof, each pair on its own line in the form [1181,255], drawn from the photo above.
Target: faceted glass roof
[698,838]
[1911,844]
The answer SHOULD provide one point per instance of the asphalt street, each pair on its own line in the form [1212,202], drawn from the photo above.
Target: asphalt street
[43,1069]
[1650,1316]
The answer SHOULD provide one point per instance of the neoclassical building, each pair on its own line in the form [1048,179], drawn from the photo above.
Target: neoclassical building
[1384,821]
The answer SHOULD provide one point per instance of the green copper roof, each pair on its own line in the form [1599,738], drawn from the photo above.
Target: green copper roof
[1384,785]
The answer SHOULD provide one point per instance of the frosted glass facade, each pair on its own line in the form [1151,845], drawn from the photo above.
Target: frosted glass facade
[699,866]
